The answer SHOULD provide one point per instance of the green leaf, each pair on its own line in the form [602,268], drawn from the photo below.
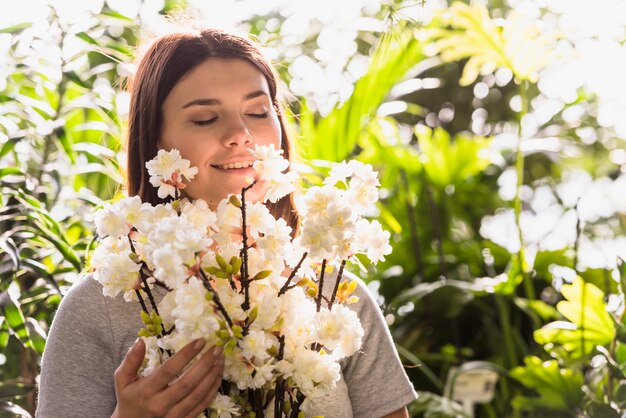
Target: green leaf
[589,323]
[10,248]
[335,136]
[465,31]
[87,38]
[4,334]
[558,389]
[7,147]
[66,143]
[37,335]
[10,171]
[116,15]
[448,162]
[16,28]
[10,308]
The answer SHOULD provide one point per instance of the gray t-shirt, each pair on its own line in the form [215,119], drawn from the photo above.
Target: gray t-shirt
[91,334]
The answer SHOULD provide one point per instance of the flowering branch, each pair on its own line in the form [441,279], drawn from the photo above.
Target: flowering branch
[338,279]
[273,347]
[144,280]
[216,298]
[321,285]
[292,275]
[245,279]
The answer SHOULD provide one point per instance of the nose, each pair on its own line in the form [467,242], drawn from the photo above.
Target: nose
[237,134]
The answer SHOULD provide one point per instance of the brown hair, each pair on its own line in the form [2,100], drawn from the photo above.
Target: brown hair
[168,59]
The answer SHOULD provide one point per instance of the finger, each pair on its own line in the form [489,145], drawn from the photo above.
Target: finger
[166,372]
[213,380]
[192,379]
[127,370]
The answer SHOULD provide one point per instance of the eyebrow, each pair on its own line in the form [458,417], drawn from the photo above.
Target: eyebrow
[213,102]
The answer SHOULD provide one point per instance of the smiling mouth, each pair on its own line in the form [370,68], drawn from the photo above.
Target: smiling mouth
[232,166]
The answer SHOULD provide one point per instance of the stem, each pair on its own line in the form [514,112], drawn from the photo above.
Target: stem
[143,304]
[519,167]
[332,297]
[245,279]
[417,249]
[509,347]
[216,298]
[286,287]
[321,285]
[144,280]
[434,213]
[279,397]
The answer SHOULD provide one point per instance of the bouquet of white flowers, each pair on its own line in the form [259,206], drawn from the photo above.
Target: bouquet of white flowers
[238,279]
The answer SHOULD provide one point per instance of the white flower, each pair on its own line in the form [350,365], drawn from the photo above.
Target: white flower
[317,200]
[238,369]
[269,169]
[363,193]
[266,299]
[114,268]
[194,314]
[311,370]
[169,267]
[270,161]
[255,345]
[231,300]
[262,375]
[153,356]
[198,214]
[339,330]
[339,173]
[276,240]
[224,407]
[167,170]
[280,185]
[258,218]
[110,223]
[378,243]
[317,240]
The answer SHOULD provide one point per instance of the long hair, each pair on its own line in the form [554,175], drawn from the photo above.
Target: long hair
[168,59]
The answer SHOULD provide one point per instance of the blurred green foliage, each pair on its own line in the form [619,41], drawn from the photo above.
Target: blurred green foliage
[459,296]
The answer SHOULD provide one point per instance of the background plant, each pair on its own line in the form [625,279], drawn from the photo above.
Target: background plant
[500,150]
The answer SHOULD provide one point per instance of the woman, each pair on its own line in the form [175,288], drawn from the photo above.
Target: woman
[211,95]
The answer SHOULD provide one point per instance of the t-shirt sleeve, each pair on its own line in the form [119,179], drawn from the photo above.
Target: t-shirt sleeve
[377,382]
[78,361]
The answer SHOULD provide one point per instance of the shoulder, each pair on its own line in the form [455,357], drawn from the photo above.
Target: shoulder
[85,288]
[83,300]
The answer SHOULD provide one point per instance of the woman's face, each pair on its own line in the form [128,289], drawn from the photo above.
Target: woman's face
[212,116]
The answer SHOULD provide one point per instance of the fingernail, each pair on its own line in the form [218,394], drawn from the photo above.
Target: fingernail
[217,350]
[199,344]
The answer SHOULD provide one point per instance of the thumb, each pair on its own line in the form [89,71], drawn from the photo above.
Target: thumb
[127,370]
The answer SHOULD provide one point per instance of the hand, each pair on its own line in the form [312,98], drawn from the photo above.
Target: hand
[162,393]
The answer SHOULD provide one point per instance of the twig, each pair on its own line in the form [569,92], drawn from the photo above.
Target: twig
[286,287]
[245,279]
[216,298]
[320,286]
[332,297]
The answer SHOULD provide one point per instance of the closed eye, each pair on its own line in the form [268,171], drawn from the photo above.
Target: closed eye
[204,122]
[258,115]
